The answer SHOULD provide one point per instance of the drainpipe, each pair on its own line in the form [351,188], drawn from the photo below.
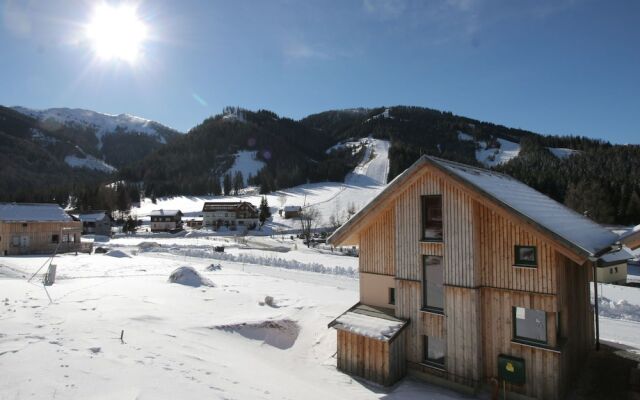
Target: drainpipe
[595,301]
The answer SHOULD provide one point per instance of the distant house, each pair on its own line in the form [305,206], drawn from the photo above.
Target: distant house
[166,220]
[468,277]
[613,267]
[287,212]
[230,214]
[37,229]
[194,223]
[96,223]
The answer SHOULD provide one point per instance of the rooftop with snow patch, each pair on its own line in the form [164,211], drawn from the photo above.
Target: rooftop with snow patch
[373,322]
[36,212]
[165,213]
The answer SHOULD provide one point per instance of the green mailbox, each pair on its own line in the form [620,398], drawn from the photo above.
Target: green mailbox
[511,369]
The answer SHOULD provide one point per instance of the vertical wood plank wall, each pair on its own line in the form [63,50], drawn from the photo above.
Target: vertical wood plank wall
[40,234]
[377,245]
[481,287]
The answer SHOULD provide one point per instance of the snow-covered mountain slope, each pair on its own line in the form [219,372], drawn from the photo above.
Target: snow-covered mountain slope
[508,150]
[246,163]
[101,124]
[89,162]
[330,198]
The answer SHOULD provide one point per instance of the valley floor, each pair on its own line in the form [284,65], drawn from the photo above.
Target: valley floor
[196,342]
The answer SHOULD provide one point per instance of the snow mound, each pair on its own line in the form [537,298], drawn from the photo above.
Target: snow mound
[117,254]
[281,333]
[148,245]
[189,277]
[214,267]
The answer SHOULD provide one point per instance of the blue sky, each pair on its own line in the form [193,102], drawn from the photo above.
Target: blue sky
[556,67]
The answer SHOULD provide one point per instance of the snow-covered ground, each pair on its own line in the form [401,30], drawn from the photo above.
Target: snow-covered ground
[246,163]
[223,341]
[508,150]
[365,182]
[88,162]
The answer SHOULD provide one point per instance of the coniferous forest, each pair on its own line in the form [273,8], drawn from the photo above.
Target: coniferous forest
[601,180]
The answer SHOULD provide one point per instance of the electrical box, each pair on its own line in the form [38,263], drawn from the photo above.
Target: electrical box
[511,369]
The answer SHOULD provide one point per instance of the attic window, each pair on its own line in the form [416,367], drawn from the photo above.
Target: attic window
[432,218]
[526,256]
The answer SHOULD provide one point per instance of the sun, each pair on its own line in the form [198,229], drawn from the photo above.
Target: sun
[116,32]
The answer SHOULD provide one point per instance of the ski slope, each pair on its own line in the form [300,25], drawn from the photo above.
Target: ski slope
[330,198]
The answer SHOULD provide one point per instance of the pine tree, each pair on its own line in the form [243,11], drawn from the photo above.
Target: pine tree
[238,182]
[264,210]
[226,184]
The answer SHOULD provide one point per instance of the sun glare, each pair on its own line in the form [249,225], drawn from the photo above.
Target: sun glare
[116,33]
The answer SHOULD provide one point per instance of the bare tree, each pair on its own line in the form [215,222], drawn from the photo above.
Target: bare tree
[351,210]
[309,218]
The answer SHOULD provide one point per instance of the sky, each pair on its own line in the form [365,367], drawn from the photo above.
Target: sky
[554,67]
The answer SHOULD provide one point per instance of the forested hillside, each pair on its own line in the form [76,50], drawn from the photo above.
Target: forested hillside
[591,176]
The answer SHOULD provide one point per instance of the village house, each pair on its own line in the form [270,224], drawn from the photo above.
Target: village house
[95,223]
[288,212]
[166,220]
[470,279]
[37,229]
[230,214]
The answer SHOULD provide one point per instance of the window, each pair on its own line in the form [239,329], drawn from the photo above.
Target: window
[434,349]
[55,238]
[530,325]
[432,218]
[526,256]
[392,295]
[65,238]
[15,241]
[433,283]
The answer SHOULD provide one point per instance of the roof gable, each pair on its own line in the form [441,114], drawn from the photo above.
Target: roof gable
[577,232]
[33,212]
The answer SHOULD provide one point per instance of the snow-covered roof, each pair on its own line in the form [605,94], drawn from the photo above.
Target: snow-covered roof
[33,212]
[372,322]
[558,219]
[92,217]
[576,231]
[617,257]
[164,213]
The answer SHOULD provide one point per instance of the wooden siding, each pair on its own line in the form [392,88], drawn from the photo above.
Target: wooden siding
[374,360]
[40,236]
[464,346]
[432,324]
[576,316]
[409,225]
[542,365]
[377,246]
[498,237]
[408,304]
[457,215]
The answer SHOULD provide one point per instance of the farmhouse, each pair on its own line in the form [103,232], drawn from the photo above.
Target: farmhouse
[287,212]
[37,229]
[470,278]
[95,223]
[230,214]
[165,220]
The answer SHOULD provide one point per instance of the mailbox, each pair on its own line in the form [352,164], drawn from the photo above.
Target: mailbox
[511,369]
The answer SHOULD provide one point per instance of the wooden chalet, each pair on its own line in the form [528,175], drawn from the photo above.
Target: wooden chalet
[95,223]
[166,220]
[230,214]
[37,228]
[487,279]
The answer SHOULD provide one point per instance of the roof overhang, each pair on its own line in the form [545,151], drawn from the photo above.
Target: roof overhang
[348,234]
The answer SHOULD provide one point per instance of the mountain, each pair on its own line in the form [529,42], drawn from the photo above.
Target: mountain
[218,155]
[114,139]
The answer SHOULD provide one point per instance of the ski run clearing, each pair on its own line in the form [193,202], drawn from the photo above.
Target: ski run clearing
[246,323]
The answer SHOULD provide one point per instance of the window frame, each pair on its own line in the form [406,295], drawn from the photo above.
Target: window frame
[55,238]
[524,339]
[424,208]
[391,296]
[425,306]
[425,354]
[518,262]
